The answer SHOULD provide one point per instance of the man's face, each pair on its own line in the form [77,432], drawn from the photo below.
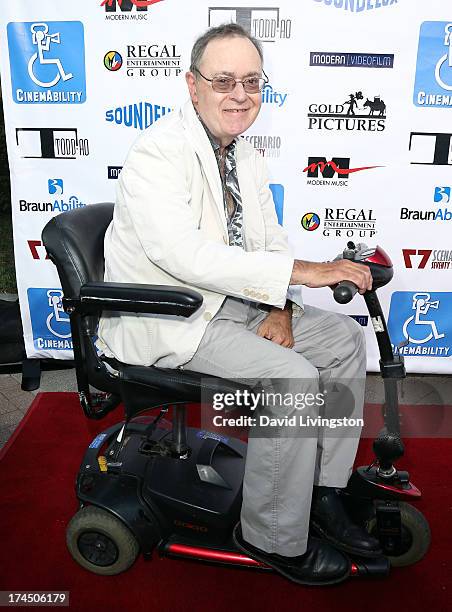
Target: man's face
[226,114]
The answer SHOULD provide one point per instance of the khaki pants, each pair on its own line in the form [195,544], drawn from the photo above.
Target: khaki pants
[281,468]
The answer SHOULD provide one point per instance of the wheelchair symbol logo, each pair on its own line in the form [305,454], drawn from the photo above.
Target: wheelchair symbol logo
[447,57]
[58,320]
[42,39]
[422,304]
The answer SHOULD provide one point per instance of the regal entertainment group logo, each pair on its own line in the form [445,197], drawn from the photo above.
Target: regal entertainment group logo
[342,222]
[127,10]
[262,22]
[358,113]
[146,60]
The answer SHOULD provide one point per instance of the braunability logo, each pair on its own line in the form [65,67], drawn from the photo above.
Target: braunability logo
[420,323]
[359,113]
[433,84]
[47,62]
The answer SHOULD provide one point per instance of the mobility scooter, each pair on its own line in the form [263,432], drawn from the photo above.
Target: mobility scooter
[146,486]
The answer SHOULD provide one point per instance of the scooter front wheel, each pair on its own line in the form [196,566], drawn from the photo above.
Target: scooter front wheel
[415,540]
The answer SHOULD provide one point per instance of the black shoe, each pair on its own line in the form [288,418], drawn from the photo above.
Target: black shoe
[321,564]
[330,521]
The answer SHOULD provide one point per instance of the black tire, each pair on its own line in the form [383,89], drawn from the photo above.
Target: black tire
[416,536]
[100,542]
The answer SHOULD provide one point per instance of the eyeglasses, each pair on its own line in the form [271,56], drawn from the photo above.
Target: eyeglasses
[226,84]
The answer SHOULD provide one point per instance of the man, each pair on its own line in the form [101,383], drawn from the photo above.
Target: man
[194,210]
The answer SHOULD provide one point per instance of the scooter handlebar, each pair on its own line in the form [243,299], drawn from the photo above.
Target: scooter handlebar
[344,292]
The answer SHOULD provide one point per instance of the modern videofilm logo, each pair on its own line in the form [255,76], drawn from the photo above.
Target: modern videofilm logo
[340,59]
[146,60]
[127,10]
[47,62]
[262,22]
[433,82]
[359,113]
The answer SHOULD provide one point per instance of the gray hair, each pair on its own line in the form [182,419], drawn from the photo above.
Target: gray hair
[222,31]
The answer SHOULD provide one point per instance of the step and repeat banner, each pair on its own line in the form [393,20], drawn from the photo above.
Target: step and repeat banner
[356,127]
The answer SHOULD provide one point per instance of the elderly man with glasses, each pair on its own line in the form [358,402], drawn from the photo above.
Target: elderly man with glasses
[194,209]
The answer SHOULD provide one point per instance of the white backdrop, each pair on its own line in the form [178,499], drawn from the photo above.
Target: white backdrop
[364,84]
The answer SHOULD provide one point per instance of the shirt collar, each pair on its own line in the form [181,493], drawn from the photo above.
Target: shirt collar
[213,141]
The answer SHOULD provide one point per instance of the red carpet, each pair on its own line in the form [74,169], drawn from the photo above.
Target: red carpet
[37,472]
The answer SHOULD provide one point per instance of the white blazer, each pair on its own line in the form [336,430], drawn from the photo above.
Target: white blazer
[169,228]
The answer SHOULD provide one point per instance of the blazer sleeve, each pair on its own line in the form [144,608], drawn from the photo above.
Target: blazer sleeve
[154,188]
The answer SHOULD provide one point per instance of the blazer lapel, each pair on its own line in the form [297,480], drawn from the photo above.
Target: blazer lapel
[200,141]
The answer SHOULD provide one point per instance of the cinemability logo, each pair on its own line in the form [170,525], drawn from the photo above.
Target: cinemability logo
[57,204]
[441,198]
[357,6]
[433,82]
[139,116]
[49,323]
[358,113]
[420,324]
[335,173]
[47,62]
[262,22]
[146,60]
[127,10]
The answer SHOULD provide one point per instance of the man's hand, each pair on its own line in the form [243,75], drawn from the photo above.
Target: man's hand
[313,274]
[277,327]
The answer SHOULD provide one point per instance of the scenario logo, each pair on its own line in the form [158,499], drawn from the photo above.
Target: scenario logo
[423,143]
[335,59]
[342,222]
[358,6]
[264,23]
[146,60]
[359,113]
[47,62]
[420,323]
[438,259]
[267,146]
[335,173]
[441,196]
[433,83]
[127,10]
[51,143]
[139,116]
[57,205]
[49,323]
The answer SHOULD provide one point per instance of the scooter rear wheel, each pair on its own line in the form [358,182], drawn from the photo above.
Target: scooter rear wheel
[416,536]
[100,542]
